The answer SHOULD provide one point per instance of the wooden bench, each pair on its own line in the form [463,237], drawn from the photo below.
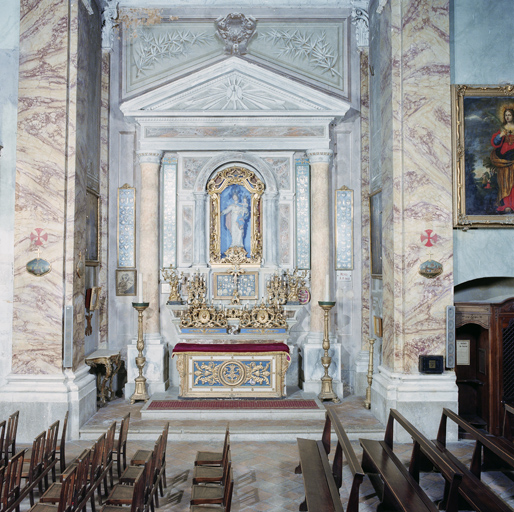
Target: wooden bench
[321,481]
[399,488]
[478,495]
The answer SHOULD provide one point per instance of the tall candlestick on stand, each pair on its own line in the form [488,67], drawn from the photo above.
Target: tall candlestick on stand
[327,393]
[140,392]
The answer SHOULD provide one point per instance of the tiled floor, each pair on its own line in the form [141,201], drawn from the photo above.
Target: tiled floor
[264,471]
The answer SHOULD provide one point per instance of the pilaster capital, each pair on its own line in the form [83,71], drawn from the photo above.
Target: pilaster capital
[169,160]
[317,156]
[360,20]
[149,157]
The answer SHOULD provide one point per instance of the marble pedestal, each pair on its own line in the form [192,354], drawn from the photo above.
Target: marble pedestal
[43,399]
[361,373]
[419,397]
[312,369]
[156,369]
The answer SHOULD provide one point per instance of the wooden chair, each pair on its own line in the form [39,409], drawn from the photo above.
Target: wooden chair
[10,436]
[66,498]
[212,474]
[138,499]
[2,443]
[108,456]
[12,481]
[53,493]
[120,449]
[212,458]
[33,468]
[227,501]
[62,445]
[215,494]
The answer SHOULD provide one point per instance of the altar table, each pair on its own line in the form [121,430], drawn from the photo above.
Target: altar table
[233,370]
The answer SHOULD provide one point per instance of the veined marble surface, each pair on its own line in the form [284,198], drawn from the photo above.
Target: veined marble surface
[45,162]
[417,186]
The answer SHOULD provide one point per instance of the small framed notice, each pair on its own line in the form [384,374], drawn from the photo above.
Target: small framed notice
[462,352]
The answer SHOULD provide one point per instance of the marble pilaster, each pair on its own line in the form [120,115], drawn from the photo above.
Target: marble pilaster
[271,228]
[200,246]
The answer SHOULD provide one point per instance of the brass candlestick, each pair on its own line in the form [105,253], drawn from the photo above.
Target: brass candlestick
[140,390]
[367,401]
[327,393]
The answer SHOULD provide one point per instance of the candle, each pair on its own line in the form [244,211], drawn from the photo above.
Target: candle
[327,289]
[140,288]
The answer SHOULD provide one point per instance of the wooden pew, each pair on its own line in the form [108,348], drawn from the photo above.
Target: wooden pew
[401,489]
[321,481]
[497,451]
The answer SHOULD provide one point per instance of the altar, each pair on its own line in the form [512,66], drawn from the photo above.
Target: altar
[236,370]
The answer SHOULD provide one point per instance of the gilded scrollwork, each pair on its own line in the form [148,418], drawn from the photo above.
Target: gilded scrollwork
[232,373]
[203,317]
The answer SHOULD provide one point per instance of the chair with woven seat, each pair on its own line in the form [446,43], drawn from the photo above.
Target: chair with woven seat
[12,481]
[66,500]
[224,507]
[138,499]
[108,456]
[33,468]
[123,495]
[10,437]
[53,493]
[120,448]
[212,474]
[213,494]
[212,458]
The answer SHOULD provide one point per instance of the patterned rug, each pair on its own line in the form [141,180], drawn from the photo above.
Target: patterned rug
[231,404]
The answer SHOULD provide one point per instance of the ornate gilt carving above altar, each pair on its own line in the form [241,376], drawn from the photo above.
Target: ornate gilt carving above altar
[235,217]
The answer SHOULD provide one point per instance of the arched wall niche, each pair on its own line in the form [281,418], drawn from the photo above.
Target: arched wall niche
[270,200]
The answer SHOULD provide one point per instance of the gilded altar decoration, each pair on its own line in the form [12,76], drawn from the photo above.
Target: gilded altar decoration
[196,289]
[263,316]
[172,276]
[277,290]
[295,285]
[203,317]
[235,217]
[232,373]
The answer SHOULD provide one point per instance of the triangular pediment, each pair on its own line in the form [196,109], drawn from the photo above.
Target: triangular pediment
[231,88]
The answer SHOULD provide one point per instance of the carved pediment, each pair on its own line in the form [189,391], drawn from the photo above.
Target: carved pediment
[231,87]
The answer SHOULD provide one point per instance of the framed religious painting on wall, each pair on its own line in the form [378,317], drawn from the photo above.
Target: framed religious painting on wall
[235,217]
[483,156]
[375,227]
[126,282]
[92,228]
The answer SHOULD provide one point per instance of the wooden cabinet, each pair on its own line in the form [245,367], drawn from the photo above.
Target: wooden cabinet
[485,351]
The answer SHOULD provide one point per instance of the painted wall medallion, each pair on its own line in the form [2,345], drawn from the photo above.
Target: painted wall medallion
[38,267]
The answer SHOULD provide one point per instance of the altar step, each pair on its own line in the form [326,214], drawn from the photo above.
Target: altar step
[267,425]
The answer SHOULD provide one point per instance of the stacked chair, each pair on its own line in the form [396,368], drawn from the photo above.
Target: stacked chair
[213,481]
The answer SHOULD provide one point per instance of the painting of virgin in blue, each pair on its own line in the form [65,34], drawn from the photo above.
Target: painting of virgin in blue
[235,209]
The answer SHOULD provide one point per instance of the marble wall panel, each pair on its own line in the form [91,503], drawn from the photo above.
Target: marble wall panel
[45,160]
[104,199]
[169,214]
[282,170]
[191,167]
[365,245]
[187,228]
[417,185]
[285,234]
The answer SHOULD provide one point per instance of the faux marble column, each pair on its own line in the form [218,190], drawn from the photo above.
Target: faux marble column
[411,50]
[271,229]
[148,267]
[320,233]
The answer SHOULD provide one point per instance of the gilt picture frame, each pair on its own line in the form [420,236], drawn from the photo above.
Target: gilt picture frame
[483,156]
[235,217]
[375,227]
[92,228]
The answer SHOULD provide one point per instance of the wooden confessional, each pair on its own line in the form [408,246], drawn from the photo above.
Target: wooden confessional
[485,360]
